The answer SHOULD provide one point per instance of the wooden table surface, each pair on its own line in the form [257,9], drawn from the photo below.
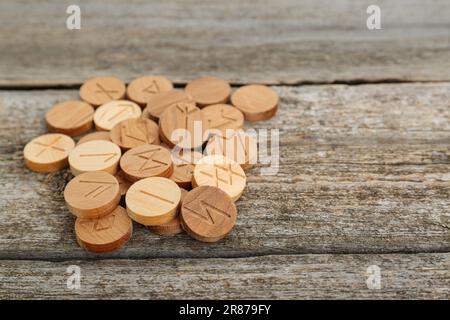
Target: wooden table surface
[364,120]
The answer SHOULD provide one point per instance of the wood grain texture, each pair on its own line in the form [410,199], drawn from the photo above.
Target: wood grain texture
[364,169]
[275,42]
[420,276]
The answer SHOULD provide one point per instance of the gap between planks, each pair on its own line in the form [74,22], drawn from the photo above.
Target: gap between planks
[43,85]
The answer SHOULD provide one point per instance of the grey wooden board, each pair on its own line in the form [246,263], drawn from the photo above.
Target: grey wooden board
[277,42]
[403,276]
[364,169]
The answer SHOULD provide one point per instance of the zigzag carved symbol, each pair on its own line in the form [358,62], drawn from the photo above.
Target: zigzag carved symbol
[206,213]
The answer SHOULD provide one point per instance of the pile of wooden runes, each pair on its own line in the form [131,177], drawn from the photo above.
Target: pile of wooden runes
[171,160]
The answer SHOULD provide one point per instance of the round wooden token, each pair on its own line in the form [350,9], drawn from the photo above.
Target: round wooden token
[153,201]
[48,153]
[257,102]
[172,227]
[208,214]
[113,112]
[221,172]
[99,90]
[124,184]
[92,194]
[184,161]
[238,146]
[134,132]
[141,89]
[221,117]
[188,119]
[209,90]
[70,117]
[98,135]
[97,155]
[146,161]
[104,234]
[159,102]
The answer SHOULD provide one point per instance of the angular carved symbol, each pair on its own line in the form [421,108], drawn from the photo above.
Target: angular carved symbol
[149,162]
[208,211]
[152,87]
[108,156]
[97,190]
[226,170]
[102,90]
[48,146]
[221,121]
[104,223]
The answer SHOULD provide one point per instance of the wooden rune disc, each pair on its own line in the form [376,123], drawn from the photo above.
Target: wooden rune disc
[238,146]
[221,117]
[98,135]
[104,234]
[257,102]
[153,201]
[221,172]
[92,194]
[48,153]
[208,214]
[146,161]
[113,112]
[99,90]
[140,90]
[70,117]
[172,227]
[188,118]
[134,132]
[96,155]
[184,161]
[159,102]
[209,90]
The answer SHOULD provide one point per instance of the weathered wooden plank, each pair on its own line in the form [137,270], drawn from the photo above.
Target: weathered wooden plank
[363,169]
[403,276]
[283,41]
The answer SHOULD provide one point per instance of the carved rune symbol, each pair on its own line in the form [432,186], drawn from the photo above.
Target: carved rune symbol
[156,196]
[102,90]
[207,212]
[185,110]
[97,190]
[152,87]
[150,161]
[141,131]
[221,121]
[108,156]
[104,223]
[124,108]
[222,173]
[49,146]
